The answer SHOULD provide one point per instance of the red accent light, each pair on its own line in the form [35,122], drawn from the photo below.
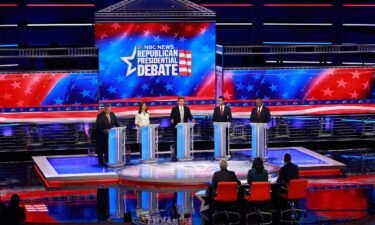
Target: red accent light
[318,173]
[298,5]
[227,5]
[60,5]
[8,5]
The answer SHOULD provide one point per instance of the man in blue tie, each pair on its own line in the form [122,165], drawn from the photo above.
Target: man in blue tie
[260,114]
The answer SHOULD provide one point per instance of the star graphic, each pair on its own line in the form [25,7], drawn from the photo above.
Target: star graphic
[94,81]
[341,83]
[327,92]
[111,89]
[227,95]
[239,86]
[282,76]
[273,87]
[20,103]
[354,95]
[203,30]
[257,76]
[127,59]
[250,87]
[7,96]
[293,83]
[73,87]
[182,39]
[285,95]
[175,35]
[145,86]
[85,93]
[188,28]
[266,97]
[243,97]
[16,84]
[365,85]
[157,39]
[115,26]
[28,91]
[205,49]
[119,78]
[165,28]
[103,35]
[355,75]
[146,33]
[168,86]
[58,101]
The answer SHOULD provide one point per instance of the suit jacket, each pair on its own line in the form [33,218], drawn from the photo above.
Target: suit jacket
[265,115]
[102,124]
[226,117]
[175,115]
[287,172]
[222,176]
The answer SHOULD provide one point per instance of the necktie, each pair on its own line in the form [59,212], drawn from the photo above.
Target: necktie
[258,113]
[181,114]
[109,118]
[221,110]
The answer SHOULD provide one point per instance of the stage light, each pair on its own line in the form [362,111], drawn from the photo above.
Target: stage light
[297,24]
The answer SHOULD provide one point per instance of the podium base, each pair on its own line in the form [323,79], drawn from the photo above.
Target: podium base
[223,157]
[116,165]
[185,159]
[149,161]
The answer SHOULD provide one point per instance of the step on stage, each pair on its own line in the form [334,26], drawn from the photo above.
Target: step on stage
[83,170]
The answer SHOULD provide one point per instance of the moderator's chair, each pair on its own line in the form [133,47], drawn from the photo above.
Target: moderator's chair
[225,203]
[295,190]
[258,198]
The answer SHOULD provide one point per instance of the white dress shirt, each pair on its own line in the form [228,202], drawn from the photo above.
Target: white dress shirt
[141,120]
[181,109]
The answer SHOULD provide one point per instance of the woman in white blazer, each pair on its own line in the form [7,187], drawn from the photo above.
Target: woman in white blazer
[142,118]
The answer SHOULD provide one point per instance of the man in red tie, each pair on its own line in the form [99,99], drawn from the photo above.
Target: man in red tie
[260,114]
[104,121]
[222,112]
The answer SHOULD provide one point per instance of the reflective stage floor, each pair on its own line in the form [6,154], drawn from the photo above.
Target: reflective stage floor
[57,171]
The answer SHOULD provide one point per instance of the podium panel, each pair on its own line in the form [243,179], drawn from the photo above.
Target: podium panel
[259,140]
[149,136]
[116,147]
[221,140]
[184,140]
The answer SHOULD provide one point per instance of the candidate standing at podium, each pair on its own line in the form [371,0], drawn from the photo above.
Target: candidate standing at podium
[222,113]
[179,114]
[260,114]
[104,121]
[142,118]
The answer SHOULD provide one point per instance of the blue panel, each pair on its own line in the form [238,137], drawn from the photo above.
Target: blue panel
[77,165]
[145,144]
[112,147]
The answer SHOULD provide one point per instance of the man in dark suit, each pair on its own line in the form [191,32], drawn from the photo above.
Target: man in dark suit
[260,114]
[224,175]
[222,113]
[288,171]
[104,121]
[179,114]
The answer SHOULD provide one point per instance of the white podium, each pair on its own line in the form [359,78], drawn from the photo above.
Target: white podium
[116,147]
[185,136]
[221,139]
[259,140]
[149,137]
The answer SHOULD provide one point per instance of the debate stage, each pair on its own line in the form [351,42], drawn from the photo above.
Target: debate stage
[82,170]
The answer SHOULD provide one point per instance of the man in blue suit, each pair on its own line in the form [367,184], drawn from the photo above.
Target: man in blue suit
[222,113]
[260,114]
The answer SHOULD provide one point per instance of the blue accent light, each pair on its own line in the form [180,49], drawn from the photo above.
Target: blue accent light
[112,145]
[295,43]
[145,143]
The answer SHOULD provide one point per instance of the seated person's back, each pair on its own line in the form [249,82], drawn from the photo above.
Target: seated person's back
[224,175]
[257,173]
[288,172]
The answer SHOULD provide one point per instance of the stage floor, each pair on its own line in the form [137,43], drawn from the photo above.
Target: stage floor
[78,170]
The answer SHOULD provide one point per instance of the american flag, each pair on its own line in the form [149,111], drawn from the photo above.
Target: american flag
[185,62]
